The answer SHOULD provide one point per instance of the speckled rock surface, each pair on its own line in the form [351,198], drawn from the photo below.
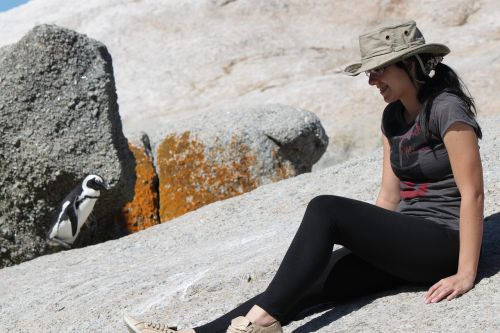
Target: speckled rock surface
[59,122]
[217,155]
[199,266]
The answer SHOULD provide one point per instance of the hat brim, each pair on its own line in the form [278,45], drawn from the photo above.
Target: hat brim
[393,57]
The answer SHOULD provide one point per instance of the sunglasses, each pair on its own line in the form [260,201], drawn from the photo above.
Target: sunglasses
[376,71]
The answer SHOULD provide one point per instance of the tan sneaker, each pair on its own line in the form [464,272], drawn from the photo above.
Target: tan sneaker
[137,326]
[243,325]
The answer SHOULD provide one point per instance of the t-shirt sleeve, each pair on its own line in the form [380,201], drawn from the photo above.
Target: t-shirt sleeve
[448,109]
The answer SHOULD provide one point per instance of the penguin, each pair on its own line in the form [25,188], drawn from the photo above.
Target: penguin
[74,210]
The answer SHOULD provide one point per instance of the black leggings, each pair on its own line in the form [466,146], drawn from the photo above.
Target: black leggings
[382,249]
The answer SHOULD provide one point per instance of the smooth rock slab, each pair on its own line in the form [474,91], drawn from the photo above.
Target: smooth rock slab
[199,266]
[59,122]
[217,155]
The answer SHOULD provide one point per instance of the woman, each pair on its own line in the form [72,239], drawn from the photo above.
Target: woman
[426,226]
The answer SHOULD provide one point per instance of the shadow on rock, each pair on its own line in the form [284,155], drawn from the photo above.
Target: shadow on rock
[489,263]
[339,309]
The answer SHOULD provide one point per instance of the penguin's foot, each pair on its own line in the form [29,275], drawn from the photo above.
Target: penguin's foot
[54,242]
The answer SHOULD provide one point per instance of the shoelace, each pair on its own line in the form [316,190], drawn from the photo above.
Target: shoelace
[232,329]
[161,327]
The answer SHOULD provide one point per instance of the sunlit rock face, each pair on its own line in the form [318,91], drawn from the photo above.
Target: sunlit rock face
[174,58]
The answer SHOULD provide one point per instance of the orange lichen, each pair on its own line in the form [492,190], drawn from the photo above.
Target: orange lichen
[191,175]
[142,211]
[189,179]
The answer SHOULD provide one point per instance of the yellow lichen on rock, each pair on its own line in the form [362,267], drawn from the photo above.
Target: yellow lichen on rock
[191,176]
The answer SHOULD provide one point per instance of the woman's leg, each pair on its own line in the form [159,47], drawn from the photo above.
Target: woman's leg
[394,245]
[352,277]
[220,324]
[346,277]
[410,248]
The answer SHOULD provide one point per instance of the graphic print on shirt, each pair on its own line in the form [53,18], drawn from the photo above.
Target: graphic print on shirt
[410,190]
[410,147]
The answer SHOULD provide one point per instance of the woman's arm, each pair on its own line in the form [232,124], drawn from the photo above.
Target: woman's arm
[388,196]
[463,151]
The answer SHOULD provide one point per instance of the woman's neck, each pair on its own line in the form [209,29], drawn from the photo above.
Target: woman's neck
[412,108]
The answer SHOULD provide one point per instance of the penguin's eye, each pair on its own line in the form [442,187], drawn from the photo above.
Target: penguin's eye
[92,184]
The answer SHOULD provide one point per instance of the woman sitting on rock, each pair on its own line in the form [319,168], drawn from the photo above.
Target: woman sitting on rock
[426,226]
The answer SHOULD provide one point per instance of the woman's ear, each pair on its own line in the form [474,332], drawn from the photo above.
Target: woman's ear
[411,65]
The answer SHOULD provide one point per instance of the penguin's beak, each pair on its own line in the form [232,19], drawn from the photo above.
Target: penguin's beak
[102,184]
[105,185]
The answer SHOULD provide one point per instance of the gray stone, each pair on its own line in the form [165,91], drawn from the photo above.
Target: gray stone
[296,134]
[59,121]
[199,266]
[216,155]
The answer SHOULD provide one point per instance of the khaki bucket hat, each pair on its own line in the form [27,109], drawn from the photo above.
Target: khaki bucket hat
[391,44]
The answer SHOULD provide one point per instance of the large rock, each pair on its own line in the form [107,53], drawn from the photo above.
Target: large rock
[204,263]
[59,121]
[220,154]
[173,58]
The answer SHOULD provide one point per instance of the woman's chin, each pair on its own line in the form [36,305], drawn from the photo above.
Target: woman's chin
[388,99]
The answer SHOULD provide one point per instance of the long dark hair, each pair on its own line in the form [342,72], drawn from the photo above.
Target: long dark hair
[444,79]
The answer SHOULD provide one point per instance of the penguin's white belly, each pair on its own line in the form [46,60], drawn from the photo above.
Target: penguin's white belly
[64,232]
[84,211]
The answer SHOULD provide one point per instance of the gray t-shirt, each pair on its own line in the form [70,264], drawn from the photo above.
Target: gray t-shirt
[427,185]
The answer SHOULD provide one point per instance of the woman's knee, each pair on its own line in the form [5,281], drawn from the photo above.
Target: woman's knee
[324,202]
[330,212]
[321,210]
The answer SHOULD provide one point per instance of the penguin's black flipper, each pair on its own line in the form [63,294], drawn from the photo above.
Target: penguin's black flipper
[73,218]
[66,205]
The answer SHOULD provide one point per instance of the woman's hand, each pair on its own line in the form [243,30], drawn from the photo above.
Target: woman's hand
[449,287]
